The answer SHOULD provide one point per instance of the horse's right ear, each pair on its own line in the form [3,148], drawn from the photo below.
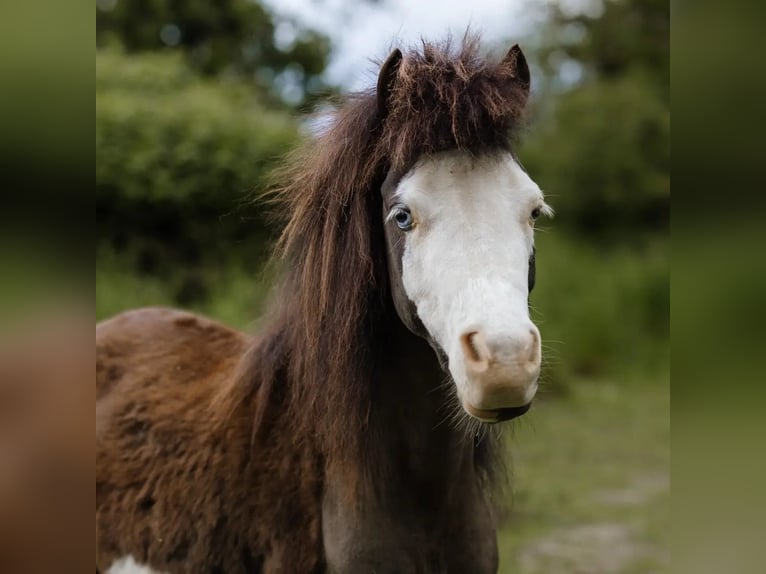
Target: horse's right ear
[386,79]
[517,63]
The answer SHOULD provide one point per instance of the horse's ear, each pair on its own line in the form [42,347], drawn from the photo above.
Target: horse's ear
[516,61]
[386,79]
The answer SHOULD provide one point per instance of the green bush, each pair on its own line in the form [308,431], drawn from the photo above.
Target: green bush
[164,134]
[178,159]
[604,158]
[601,312]
[232,38]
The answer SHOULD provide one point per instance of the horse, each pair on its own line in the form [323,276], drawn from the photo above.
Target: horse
[354,432]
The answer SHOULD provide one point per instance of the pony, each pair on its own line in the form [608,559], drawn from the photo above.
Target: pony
[353,433]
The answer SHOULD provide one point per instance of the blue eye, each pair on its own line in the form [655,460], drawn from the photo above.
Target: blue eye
[403,218]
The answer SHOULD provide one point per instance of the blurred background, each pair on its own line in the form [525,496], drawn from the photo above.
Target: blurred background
[196,101]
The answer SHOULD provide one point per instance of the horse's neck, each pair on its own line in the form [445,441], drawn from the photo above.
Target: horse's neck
[416,409]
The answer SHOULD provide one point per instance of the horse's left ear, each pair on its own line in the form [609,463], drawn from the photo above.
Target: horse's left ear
[516,61]
[386,79]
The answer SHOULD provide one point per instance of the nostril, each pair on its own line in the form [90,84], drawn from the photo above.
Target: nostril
[469,347]
[475,350]
[534,347]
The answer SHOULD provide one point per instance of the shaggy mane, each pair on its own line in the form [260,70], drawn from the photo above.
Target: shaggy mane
[317,362]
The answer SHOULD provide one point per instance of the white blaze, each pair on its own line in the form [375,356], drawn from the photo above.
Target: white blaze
[466,261]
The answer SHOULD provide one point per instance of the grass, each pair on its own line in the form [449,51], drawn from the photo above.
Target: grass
[591,482]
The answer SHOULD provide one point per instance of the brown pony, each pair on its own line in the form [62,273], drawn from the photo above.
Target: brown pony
[352,434]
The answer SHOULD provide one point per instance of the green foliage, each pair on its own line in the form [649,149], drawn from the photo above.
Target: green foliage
[233,292]
[604,158]
[626,35]
[236,37]
[600,146]
[600,312]
[162,133]
[178,159]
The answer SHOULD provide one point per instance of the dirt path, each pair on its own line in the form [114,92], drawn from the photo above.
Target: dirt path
[604,547]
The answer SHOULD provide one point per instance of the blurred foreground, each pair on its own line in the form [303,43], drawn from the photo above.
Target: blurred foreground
[47,391]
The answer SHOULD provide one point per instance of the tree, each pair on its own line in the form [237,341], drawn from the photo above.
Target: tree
[179,159]
[602,150]
[222,37]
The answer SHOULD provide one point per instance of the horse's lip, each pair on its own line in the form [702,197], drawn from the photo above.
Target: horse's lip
[496,415]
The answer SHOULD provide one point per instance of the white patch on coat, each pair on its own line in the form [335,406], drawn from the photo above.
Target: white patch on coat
[465,266]
[127,565]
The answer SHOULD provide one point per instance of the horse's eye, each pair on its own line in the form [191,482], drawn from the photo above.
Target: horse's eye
[535,213]
[403,218]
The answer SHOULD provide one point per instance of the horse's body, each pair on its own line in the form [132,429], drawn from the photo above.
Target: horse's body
[335,440]
[184,492]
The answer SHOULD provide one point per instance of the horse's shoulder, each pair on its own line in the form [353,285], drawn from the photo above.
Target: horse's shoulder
[156,320]
[164,325]
[158,342]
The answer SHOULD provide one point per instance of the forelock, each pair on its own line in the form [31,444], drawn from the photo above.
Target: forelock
[450,97]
